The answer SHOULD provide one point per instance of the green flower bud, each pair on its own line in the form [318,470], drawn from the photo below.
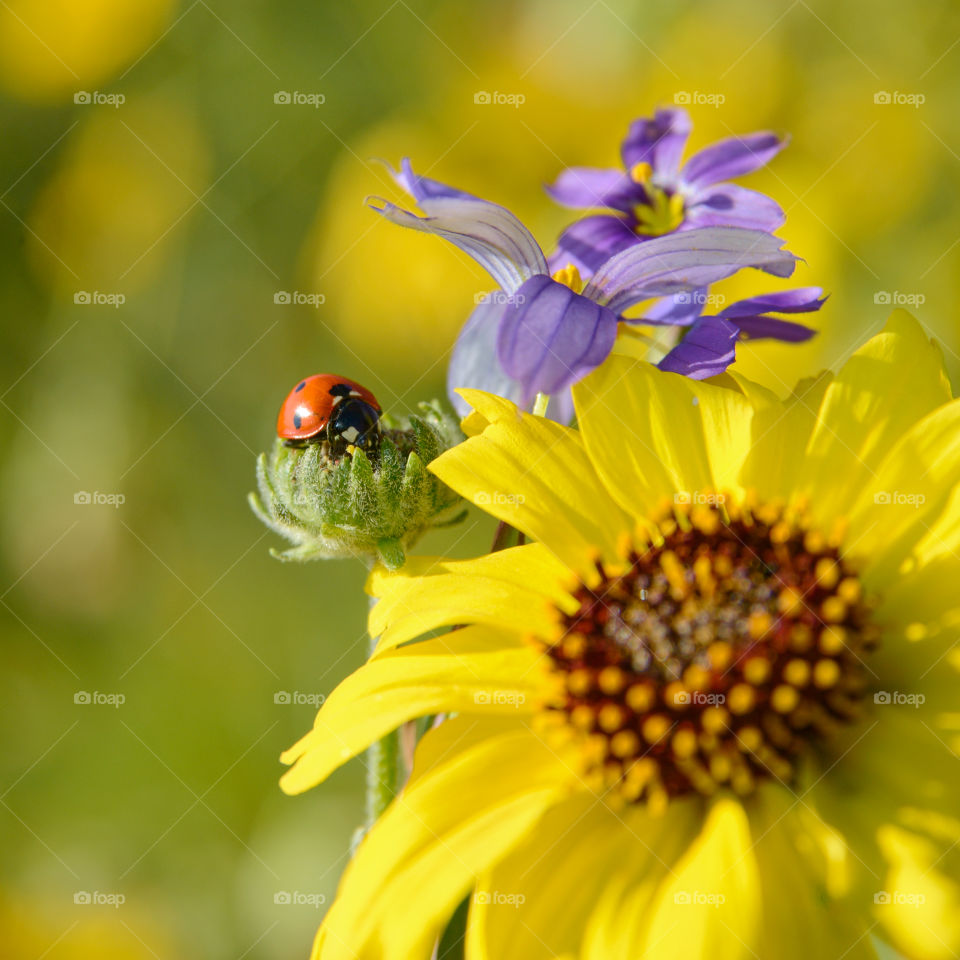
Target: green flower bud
[371,508]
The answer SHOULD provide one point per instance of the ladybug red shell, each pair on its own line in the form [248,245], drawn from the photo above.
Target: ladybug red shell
[332,409]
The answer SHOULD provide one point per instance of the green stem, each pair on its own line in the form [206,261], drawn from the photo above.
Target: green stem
[383,769]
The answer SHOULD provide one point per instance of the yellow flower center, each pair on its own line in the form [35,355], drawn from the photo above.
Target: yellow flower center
[721,649]
[663,212]
[570,277]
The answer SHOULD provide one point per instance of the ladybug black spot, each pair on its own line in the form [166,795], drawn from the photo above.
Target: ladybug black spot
[299,386]
[340,390]
[297,420]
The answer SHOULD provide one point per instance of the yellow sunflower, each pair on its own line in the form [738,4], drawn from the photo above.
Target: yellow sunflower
[710,711]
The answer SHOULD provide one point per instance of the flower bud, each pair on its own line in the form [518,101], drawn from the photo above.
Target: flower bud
[374,508]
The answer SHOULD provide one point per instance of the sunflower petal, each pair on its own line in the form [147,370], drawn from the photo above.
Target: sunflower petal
[443,831]
[467,671]
[890,383]
[515,591]
[536,476]
[674,436]
[709,906]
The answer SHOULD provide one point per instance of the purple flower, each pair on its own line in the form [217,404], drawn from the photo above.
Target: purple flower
[709,345]
[654,195]
[541,333]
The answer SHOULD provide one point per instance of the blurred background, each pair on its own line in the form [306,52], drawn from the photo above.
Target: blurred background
[183,237]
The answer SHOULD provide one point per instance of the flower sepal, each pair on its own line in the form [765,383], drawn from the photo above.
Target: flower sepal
[356,506]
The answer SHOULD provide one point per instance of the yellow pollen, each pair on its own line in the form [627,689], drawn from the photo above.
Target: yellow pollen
[624,744]
[640,697]
[825,674]
[720,654]
[703,572]
[675,574]
[570,277]
[641,172]
[695,677]
[582,717]
[833,610]
[611,717]
[574,646]
[780,532]
[714,719]
[849,590]
[676,696]
[684,743]
[612,680]
[790,601]
[741,698]
[756,670]
[655,727]
[827,573]
[579,682]
[750,738]
[720,767]
[797,672]
[784,698]
[832,640]
[814,541]
[705,520]
[759,624]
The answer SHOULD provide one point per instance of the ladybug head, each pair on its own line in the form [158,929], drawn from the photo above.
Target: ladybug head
[355,423]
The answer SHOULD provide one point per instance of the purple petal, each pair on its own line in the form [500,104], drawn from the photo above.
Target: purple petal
[590,242]
[728,205]
[685,260]
[421,188]
[658,141]
[708,349]
[489,233]
[585,187]
[679,310]
[475,364]
[731,158]
[798,300]
[770,328]
[552,337]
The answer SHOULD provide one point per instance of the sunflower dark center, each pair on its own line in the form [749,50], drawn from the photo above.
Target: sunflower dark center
[716,657]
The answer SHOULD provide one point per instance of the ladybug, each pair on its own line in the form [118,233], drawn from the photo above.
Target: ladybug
[329,409]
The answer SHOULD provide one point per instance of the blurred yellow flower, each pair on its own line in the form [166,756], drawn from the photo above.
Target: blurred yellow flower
[53,49]
[124,186]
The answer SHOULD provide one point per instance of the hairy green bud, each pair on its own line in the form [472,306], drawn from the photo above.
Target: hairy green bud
[355,506]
